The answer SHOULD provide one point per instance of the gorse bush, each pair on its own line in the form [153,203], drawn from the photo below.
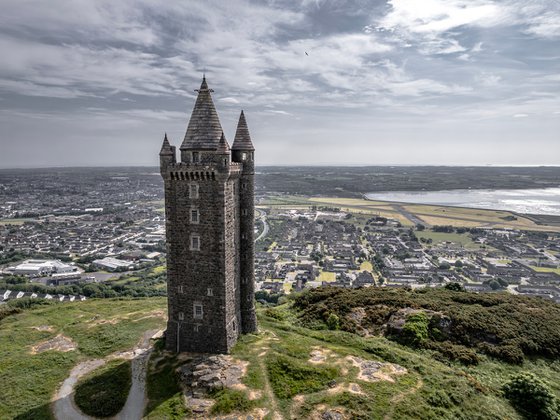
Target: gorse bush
[415,329]
[532,397]
[500,325]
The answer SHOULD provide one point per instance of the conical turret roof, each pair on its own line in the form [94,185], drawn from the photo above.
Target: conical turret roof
[204,129]
[166,148]
[223,146]
[242,139]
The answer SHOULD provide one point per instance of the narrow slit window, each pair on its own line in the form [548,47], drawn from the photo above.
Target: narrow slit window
[181,316]
[210,292]
[195,157]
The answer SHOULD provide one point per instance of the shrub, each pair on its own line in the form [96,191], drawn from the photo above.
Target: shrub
[333,322]
[415,329]
[532,397]
[230,400]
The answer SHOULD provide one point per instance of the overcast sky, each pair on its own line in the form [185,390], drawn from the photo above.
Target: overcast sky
[460,82]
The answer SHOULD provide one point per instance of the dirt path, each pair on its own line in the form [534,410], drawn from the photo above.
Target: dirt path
[64,407]
[275,412]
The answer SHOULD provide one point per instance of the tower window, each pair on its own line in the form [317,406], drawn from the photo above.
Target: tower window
[243,156]
[196,327]
[244,212]
[196,157]
[194,216]
[181,316]
[210,292]
[198,311]
[252,156]
[181,289]
[225,162]
[193,190]
[195,243]
[234,325]
[243,186]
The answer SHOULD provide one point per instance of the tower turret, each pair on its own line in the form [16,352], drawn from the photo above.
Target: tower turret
[166,155]
[223,152]
[243,152]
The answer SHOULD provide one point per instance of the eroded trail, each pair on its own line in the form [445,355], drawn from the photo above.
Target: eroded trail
[64,407]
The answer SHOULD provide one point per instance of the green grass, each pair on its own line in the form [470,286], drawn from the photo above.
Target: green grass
[546,269]
[17,222]
[165,399]
[278,367]
[33,378]
[230,400]
[289,376]
[439,237]
[326,276]
[103,392]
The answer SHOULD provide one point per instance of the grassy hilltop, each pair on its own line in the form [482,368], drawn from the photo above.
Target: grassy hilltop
[323,351]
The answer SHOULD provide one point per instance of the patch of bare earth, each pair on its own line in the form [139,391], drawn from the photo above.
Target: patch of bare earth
[58,343]
[47,328]
[373,371]
[322,412]
[319,355]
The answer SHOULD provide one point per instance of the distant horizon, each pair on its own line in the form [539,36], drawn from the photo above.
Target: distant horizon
[326,165]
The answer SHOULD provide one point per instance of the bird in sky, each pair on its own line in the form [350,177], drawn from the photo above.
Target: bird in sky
[306,53]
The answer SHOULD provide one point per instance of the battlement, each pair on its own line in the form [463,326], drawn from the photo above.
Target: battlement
[200,171]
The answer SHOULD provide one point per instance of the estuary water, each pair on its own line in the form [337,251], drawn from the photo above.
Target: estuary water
[532,201]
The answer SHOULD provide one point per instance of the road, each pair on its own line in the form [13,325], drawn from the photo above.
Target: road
[409,215]
[262,218]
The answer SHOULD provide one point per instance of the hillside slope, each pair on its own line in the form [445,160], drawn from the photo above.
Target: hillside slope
[289,370]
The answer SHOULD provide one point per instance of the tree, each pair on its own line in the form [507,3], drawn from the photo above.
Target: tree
[456,287]
[444,266]
[531,396]
[420,227]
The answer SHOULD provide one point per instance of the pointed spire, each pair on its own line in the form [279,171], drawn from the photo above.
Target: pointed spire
[242,139]
[223,146]
[166,148]
[203,85]
[204,129]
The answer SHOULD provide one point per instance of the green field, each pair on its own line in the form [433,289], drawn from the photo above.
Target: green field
[97,328]
[439,237]
[17,222]
[546,269]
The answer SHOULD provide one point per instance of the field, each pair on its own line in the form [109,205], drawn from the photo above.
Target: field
[411,214]
[94,329]
[439,237]
[14,221]
[546,269]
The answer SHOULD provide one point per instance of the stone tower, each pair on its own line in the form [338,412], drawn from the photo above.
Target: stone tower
[209,209]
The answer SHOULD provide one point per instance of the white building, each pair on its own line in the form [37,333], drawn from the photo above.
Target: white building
[41,268]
